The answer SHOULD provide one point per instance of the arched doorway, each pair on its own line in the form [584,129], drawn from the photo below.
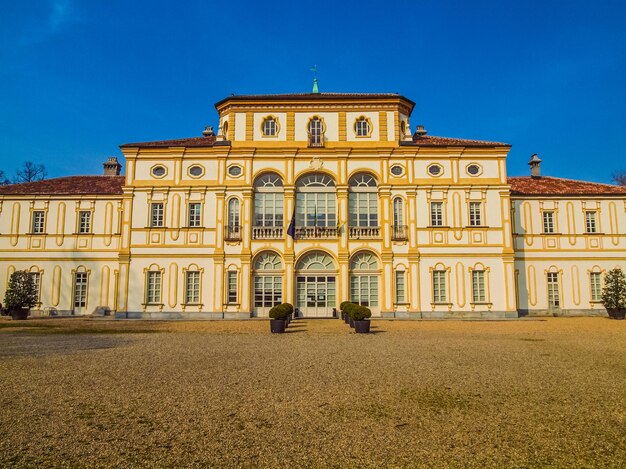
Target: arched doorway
[364,278]
[267,283]
[316,285]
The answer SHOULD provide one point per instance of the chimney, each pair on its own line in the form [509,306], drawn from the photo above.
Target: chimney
[112,167]
[535,166]
[420,131]
[208,131]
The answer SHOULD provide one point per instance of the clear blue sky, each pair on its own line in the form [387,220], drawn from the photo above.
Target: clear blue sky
[79,78]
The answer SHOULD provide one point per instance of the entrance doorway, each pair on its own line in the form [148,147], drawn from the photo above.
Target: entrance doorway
[316,285]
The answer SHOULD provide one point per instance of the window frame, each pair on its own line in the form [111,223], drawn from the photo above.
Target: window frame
[194,220]
[548,221]
[475,213]
[591,222]
[596,287]
[232,286]
[400,286]
[362,127]
[266,127]
[193,291]
[436,216]
[38,222]
[154,287]
[84,227]
[479,286]
[554,290]
[157,215]
[439,285]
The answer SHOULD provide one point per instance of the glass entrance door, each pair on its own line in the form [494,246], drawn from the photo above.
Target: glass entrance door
[316,295]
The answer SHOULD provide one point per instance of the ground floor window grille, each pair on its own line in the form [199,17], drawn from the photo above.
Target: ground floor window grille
[268,291]
[478,286]
[400,287]
[595,278]
[364,290]
[80,289]
[439,286]
[554,300]
[192,287]
[153,288]
[232,287]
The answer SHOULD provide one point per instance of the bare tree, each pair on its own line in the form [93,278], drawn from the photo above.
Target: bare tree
[619,177]
[30,172]
[4,180]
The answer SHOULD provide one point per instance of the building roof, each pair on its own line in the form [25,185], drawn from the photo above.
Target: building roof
[433,141]
[69,185]
[313,97]
[550,186]
[178,142]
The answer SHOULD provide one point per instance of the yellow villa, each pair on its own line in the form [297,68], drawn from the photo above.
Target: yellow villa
[314,199]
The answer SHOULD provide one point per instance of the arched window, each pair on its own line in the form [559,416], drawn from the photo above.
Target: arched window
[270,127]
[233,230]
[363,201]
[364,279]
[362,127]
[316,206]
[316,261]
[267,282]
[268,206]
[316,132]
[399,229]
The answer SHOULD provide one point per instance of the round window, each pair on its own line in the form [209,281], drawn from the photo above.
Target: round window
[158,171]
[473,169]
[196,170]
[234,171]
[434,170]
[397,170]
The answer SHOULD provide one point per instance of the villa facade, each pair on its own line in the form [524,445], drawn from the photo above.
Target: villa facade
[314,199]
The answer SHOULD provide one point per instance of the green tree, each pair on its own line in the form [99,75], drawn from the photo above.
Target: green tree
[614,291]
[21,292]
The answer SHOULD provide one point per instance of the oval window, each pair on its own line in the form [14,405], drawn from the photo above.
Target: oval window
[196,171]
[397,170]
[234,171]
[158,171]
[434,170]
[473,169]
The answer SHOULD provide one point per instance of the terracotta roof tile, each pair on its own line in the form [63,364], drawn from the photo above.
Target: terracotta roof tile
[433,141]
[550,186]
[311,96]
[70,185]
[179,142]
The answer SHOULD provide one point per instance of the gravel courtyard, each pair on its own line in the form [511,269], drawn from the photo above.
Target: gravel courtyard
[89,392]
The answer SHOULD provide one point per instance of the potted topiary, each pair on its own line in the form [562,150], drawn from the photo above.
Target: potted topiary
[289,308]
[614,293]
[348,308]
[360,317]
[21,295]
[342,308]
[278,318]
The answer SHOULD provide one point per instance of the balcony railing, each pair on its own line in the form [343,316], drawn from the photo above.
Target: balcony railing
[316,142]
[232,233]
[364,232]
[309,232]
[267,232]
[399,233]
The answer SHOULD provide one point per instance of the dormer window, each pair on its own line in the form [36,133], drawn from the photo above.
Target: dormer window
[270,127]
[316,132]
[362,127]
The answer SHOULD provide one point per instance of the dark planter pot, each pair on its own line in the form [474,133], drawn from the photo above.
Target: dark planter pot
[362,327]
[277,326]
[616,313]
[346,318]
[351,321]
[20,314]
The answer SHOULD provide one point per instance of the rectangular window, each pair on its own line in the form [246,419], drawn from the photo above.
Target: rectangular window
[478,286]
[84,221]
[153,288]
[35,277]
[363,209]
[156,215]
[38,222]
[475,213]
[192,287]
[554,300]
[436,213]
[439,286]
[590,221]
[595,279]
[400,287]
[193,217]
[80,289]
[232,287]
[548,221]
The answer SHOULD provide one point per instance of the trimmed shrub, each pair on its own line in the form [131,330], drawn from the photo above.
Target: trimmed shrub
[343,305]
[614,291]
[21,292]
[279,312]
[289,308]
[348,307]
[359,313]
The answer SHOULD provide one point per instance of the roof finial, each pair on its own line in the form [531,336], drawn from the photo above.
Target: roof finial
[315,88]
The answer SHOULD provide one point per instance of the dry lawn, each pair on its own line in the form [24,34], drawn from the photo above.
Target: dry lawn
[81,392]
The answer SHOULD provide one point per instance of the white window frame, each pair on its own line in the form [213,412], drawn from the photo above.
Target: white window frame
[192,287]
[84,221]
[554,295]
[157,215]
[479,291]
[400,286]
[270,127]
[362,127]
[232,295]
[398,211]
[38,221]
[548,221]
[591,221]
[475,213]
[439,283]
[80,290]
[595,285]
[436,213]
[194,214]
[154,279]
